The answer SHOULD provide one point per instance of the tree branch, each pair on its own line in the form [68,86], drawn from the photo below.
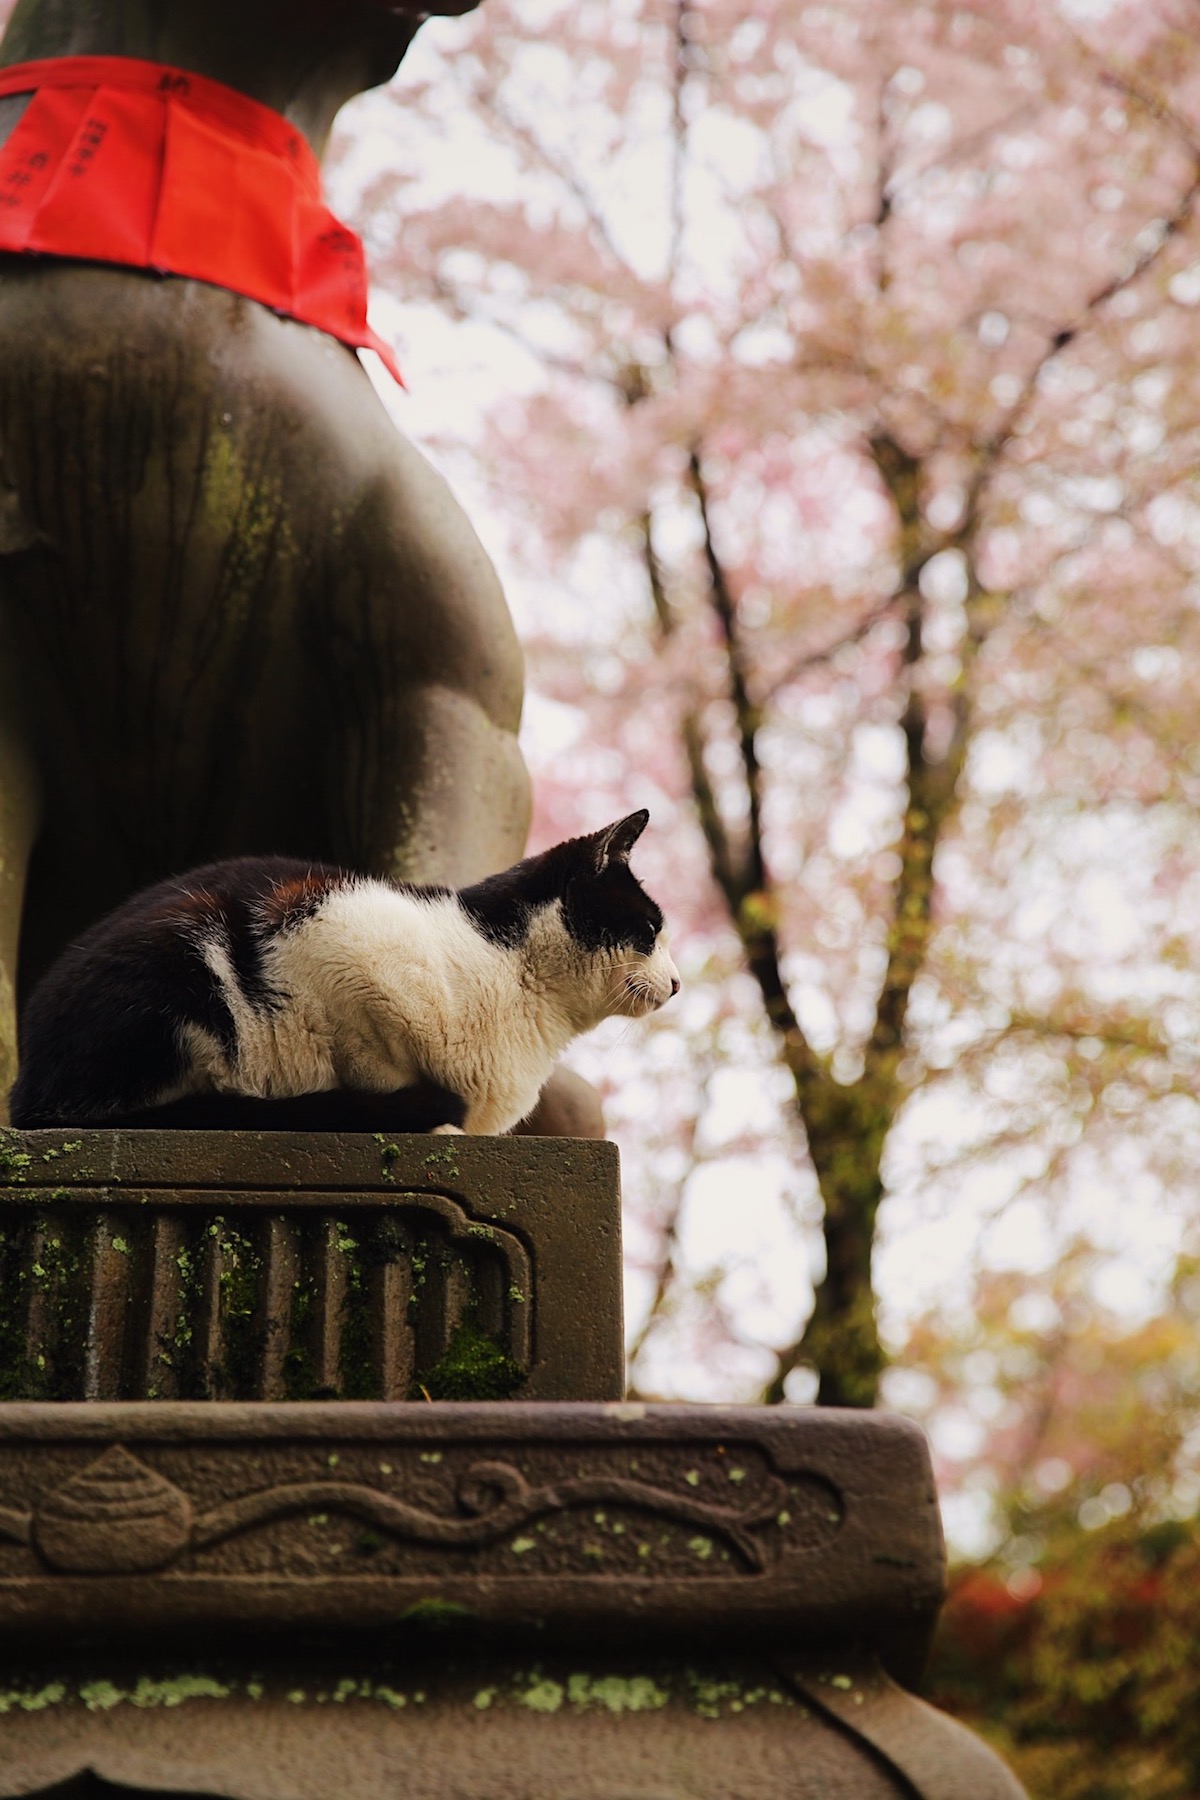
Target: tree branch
[720,850]
[993,447]
[527,138]
[815,659]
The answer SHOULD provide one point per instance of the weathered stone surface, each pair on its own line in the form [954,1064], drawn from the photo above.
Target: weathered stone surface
[590,1602]
[705,1520]
[222,1265]
[485,1726]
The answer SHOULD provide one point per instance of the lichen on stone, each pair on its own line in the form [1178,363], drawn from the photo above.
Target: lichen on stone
[616,1693]
[544,1696]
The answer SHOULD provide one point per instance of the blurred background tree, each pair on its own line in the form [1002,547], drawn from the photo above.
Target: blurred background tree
[849,455]
[1074,1643]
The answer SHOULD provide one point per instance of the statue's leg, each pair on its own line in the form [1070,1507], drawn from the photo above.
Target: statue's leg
[420,673]
[569,1107]
[19,813]
[423,672]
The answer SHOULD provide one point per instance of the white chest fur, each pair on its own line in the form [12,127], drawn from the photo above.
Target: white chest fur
[383,988]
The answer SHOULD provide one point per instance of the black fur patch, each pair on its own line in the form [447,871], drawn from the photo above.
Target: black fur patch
[97,1039]
[100,1035]
[501,906]
[604,905]
[612,911]
[416,1108]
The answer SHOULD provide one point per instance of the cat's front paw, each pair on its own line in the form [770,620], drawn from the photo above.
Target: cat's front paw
[447,1131]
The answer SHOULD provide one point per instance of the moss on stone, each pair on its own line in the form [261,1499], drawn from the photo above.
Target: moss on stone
[712,1692]
[474,1367]
[238,1287]
[358,1376]
[544,1696]
[33,1699]
[388,1155]
[436,1613]
[299,1364]
[43,1307]
[176,1350]
[443,1163]
[15,1160]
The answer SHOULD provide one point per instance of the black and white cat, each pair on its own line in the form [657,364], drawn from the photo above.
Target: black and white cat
[270,993]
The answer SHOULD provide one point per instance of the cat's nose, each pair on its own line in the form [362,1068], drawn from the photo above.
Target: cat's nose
[674,986]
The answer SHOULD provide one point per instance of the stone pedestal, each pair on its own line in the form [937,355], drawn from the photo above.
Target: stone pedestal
[282,1266]
[356,1600]
[366,1599]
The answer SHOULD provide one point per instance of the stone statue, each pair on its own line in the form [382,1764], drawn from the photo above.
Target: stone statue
[238,610]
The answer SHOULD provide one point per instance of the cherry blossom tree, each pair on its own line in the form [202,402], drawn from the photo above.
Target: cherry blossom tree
[854,407]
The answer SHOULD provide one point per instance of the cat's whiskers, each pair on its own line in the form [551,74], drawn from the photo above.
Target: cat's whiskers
[635,986]
[624,983]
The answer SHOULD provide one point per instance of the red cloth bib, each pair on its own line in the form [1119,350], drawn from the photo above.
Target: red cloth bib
[120,161]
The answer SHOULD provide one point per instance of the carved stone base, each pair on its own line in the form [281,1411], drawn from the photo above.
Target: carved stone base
[576,1602]
[236,1265]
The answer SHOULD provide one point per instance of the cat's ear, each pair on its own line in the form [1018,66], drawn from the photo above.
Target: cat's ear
[614,844]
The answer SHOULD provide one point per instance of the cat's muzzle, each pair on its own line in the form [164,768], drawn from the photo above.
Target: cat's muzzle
[651,989]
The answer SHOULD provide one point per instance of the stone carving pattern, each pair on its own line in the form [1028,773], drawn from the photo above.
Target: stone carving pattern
[68,1269]
[117,1516]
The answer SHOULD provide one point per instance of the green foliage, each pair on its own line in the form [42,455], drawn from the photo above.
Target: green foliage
[1088,1687]
[1074,1646]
